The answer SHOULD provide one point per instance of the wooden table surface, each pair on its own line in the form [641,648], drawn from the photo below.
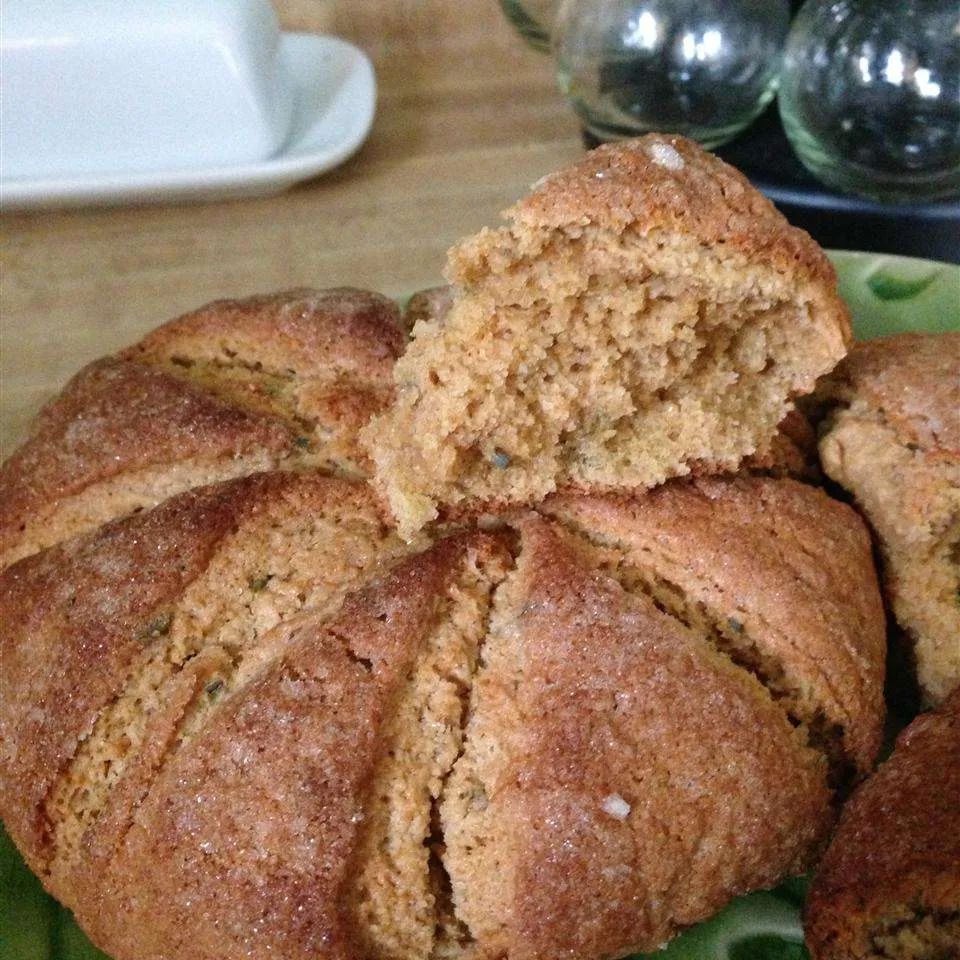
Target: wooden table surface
[468,117]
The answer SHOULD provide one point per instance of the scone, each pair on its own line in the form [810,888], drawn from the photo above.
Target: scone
[889,885]
[232,388]
[195,774]
[645,314]
[252,721]
[647,737]
[892,439]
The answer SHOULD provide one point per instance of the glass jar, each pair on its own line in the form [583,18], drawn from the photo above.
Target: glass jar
[870,96]
[532,19]
[703,68]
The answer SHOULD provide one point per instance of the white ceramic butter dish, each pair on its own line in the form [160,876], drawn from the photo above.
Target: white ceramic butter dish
[132,101]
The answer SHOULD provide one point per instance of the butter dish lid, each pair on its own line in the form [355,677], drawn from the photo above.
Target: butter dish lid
[129,85]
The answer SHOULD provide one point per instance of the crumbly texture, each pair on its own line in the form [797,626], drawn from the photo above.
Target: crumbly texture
[792,451]
[254,722]
[635,321]
[889,885]
[892,439]
[234,388]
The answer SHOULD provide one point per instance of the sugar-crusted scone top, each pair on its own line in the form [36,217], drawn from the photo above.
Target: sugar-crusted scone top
[237,386]
[644,314]
[242,717]
[889,884]
[253,722]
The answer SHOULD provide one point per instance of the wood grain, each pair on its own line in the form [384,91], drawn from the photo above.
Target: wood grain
[467,118]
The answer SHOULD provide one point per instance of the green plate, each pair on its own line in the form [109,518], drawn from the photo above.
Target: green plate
[889,294]
[886,294]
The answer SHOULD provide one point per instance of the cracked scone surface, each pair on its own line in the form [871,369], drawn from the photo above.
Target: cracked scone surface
[253,721]
[315,786]
[643,743]
[893,441]
[236,387]
[105,634]
[644,314]
[888,887]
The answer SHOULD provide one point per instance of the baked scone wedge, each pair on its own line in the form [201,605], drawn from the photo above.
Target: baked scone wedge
[778,575]
[236,387]
[321,359]
[648,734]
[888,887]
[244,703]
[296,822]
[892,439]
[109,634]
[646,313]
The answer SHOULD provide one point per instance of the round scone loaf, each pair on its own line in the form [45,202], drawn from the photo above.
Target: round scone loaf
[646,314]
[889,885]
[892,438]
[253,722]
[232,388]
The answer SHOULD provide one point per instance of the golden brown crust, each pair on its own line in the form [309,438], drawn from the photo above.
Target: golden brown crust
[343,331]
[621,808]
[320,358]
[116,417]
[663,181]
[791,567]
[234,827]
[235,387]
[897,849]
[892,439]
[271,797]
[82,617]
[631,186]
[610,692]
[914,379]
